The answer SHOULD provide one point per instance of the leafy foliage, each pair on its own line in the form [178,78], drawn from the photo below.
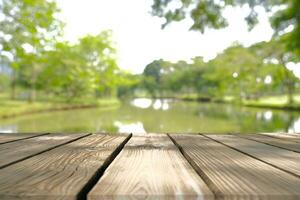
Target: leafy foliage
[244,73]
[32,46]
[209,14]
[28,29]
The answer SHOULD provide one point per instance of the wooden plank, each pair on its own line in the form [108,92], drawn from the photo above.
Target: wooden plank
[285,144]
[62,173]
[150,167]
[291,137]
[23,149]
[286,160]
[233,175]
[12,137]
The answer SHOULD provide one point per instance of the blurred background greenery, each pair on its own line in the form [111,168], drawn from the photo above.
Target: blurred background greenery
[242,89]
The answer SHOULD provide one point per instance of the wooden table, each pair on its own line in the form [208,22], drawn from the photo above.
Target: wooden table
[153,166]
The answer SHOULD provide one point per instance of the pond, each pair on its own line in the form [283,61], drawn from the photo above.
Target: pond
[141,116]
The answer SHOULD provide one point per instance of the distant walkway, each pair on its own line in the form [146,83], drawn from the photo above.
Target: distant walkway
[155,166]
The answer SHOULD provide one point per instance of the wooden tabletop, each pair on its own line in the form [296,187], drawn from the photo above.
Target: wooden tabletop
[152,166]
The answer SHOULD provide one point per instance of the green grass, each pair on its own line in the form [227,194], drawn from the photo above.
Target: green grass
[9,108]
[228,99]
[280,102]
[277,102]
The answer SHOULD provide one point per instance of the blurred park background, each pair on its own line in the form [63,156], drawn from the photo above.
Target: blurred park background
[219,80]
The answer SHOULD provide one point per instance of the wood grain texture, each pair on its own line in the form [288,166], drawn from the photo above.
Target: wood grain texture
[11,137]
[281,158]
[233,175]
[291,137]
[22,149]
[150,167]
[60,173]
[285,144]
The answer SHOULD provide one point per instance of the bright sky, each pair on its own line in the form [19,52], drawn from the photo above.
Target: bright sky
[138,35]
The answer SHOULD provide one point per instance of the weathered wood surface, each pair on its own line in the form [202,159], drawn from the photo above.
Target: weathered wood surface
[286,160]
[22,149]
[61,173]
[150,167]
[291,137]
[233,175]
[277,142]
[11,137]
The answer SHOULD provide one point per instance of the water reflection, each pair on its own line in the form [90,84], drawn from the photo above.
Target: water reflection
[268,115]
[8,129]
[143,115]
[135,128]
[162,104]
[142,102]
[295,126]
[157,104]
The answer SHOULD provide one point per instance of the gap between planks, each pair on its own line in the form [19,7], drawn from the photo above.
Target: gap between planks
[66,172]
[150,167]
[233,174]
[288,163]
[213,188]
[288,137]
[12,153]
[97,176]
[82,195]
[8,138]
[272,141]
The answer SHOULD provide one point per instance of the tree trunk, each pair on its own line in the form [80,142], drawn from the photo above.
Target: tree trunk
[32,95]
[13,87]
[289,82]
[290,86]
[290,91]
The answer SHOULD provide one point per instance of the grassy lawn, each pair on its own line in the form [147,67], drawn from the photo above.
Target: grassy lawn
[10,108]
[275,102]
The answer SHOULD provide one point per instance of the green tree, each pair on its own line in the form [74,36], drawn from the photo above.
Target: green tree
[164,78]
[276,51]
[237,69]
[173,75]
[28,28]
[99,55]
[86,68]
[128,84]
[209,14]
[153,76]
[201,79]
[65,74]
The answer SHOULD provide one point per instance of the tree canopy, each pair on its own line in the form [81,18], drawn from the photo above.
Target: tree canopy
[239,72]
[28,29]
[32,46]
[284,15]
[36,58]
